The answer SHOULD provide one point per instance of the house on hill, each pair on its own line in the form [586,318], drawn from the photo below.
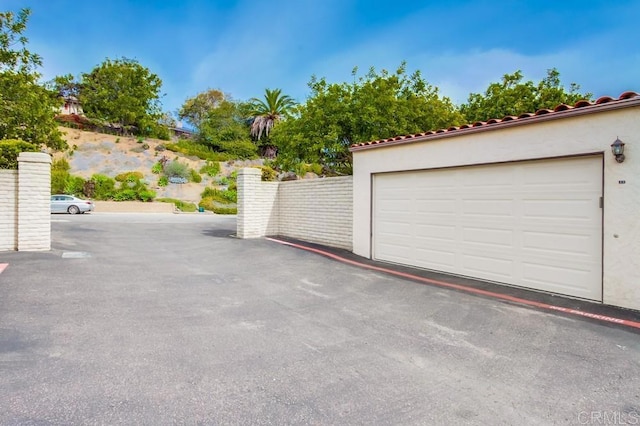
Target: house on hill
[71,106]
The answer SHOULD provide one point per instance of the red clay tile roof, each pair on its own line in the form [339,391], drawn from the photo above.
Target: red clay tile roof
[561,110]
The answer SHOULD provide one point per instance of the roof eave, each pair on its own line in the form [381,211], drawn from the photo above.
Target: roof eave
[592,109]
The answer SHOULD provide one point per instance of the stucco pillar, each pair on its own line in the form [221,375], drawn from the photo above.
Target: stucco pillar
[34,201]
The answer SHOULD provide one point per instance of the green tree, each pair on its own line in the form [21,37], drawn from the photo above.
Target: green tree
[122,91]
[224,129]
[266,113]
[513,96]
[196,109]
[27,109]
[220,123]
[374,106]
[66,86]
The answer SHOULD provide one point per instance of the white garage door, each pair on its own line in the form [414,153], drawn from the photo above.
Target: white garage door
[536,224]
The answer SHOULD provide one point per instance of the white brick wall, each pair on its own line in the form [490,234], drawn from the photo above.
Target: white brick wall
[256,205]
[317,210]
[25,204]
[8,210]
[314,210]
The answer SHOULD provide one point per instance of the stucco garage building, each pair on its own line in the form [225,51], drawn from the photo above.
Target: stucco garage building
[537,201]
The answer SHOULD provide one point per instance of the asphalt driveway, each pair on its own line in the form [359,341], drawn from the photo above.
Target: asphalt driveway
[163,319]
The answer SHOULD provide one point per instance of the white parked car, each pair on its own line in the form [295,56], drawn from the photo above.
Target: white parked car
[61,203]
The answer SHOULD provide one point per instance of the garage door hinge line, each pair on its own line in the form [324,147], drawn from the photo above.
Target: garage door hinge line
[466,289]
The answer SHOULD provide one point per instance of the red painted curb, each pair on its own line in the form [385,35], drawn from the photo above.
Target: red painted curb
[466,289]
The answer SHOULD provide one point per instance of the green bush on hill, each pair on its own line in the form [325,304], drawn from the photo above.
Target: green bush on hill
[210,169]
[222,196]
[176,169]
[10,149]
[134,176]
[199,150]
[194,176]
[212,205]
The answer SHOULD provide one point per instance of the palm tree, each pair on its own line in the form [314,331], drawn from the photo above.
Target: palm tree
[267,112]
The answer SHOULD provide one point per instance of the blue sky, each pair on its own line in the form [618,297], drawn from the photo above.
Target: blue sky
[243,47]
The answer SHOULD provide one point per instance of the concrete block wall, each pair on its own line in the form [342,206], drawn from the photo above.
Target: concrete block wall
[25,204]
[314,210]
[8,210]
[317,210]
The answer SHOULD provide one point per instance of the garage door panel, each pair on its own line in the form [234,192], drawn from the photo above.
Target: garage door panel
[536,224]
[396,253]
[488,207]
[559,243]
[558,279]
[488,267]
[436,206]
[554,208]
[435,233]
[445,260]
[488,237]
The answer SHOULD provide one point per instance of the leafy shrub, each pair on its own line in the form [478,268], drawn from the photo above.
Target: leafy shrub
[59,181]
[145,146]
[61,164]
[212,205]
[268,174]
[140,139]
[238,148]
[211,169]
[10,149]
[146,195]
[201,151]
[223,180]
[159,147]
[104,187]
[227,196]
[183,206]
[302,169]
[233,186]
[156,169]
[177,169]
[74,185]
[316,168]
[194,176]
[129,177]
[163,181]
[125,195]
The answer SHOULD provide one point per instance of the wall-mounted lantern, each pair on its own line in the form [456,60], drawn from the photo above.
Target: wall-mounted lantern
[618,150]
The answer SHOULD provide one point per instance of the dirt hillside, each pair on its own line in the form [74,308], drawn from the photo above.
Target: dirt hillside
[90,153]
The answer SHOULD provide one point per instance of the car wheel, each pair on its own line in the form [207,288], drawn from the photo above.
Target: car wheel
[73,209]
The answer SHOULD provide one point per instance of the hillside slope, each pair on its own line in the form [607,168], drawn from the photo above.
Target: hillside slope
[90,153]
